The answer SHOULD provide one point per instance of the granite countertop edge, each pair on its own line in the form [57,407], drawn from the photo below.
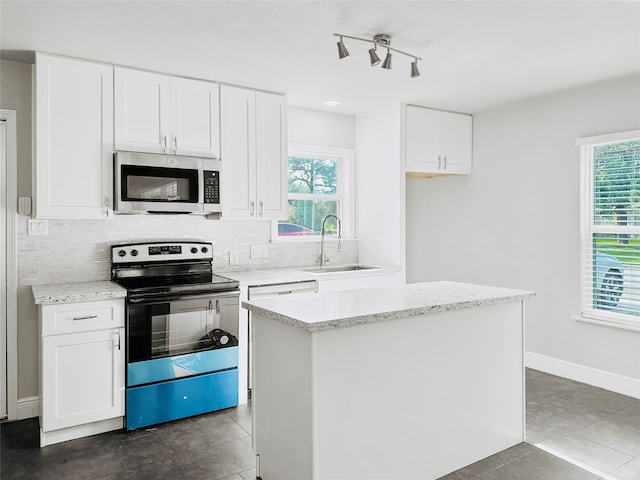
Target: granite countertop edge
[74,292]
[359,319]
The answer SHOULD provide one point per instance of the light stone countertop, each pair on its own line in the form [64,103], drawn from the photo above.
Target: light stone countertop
[321,311]
[76,292]
[55,293]
[298,274]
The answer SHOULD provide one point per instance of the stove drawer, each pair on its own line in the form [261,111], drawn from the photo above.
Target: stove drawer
[162,402]
[82,317]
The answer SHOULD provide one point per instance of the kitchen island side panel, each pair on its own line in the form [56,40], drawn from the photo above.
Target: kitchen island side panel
[418,397]
[281,400]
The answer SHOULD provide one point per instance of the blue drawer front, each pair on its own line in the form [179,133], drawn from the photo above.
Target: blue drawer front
[168,368]
[162,402]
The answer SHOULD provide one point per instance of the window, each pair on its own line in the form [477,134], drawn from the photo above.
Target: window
[610,228]
[320,184]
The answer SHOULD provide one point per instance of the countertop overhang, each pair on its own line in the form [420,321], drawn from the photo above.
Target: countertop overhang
[57,293]
[329,310]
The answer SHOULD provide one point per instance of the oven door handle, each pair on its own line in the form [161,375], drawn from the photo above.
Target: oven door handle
[137,300]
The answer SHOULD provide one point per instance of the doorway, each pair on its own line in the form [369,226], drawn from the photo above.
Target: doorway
[8,270]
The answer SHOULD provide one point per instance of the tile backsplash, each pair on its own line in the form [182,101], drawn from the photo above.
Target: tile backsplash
[79,250]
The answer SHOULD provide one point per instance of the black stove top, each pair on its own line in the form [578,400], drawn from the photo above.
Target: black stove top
[177,268]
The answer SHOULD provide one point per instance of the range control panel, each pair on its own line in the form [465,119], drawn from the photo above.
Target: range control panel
[150,252]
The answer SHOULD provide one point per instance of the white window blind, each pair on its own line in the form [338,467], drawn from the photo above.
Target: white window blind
[610,228]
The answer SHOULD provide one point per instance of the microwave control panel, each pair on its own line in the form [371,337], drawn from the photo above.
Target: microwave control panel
[211,186]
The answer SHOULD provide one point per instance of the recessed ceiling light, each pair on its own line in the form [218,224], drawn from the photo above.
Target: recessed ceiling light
[331,103]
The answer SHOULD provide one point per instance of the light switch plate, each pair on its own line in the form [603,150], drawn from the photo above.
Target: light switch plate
[37,227]
[260,251]
[233,258]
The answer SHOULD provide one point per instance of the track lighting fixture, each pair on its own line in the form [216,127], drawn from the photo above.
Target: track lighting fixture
[414,69]
[383,40]
[342,50]
[387,61]
[373,56]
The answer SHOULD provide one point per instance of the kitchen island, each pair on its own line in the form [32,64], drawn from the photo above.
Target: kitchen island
[411,382]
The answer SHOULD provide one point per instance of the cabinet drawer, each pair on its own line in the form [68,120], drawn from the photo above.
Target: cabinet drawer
[82,317]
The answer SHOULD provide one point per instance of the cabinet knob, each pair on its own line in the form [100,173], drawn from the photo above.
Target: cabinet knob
[252,208]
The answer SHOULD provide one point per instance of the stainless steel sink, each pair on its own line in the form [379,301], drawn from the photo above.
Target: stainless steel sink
[343,268]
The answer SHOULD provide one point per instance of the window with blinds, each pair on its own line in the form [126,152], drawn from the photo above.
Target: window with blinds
[610,224]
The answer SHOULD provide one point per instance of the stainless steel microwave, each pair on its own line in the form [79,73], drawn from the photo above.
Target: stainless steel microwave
[152,183]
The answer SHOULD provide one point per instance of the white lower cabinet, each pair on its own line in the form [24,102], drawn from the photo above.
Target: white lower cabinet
[82,369]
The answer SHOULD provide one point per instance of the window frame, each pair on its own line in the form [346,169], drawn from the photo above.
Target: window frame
[588,229]
[345,189]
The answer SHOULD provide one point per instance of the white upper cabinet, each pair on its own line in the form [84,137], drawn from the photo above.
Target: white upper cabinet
[272,155]
[195,117]
[74,138]
[158,113]
[437,142]
[254,153]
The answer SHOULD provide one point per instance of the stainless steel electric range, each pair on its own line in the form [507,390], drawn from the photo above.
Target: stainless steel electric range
[181,331]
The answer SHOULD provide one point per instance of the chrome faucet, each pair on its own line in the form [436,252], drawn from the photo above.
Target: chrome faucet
[323,257]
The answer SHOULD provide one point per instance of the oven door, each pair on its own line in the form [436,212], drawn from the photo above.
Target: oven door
[171,337]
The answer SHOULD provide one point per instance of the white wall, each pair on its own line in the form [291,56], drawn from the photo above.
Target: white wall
[312,127]
[514,221]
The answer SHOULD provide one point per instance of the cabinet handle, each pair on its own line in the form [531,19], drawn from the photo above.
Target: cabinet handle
[261,207]
[106,206]
[252,207]
[175,144]
[445,163]
[117,341]
[164,143]
[439,161]
[87,317]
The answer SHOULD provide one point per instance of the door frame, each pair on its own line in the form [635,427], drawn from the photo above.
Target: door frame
[10,117]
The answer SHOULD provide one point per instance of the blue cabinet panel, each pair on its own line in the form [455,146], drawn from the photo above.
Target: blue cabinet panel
[168,368]
[162,402]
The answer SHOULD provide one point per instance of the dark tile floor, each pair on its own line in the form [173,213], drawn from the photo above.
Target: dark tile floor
[574,432]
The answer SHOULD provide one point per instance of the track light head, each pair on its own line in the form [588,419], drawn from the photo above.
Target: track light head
[342,50]
[387,61]
[373,56]
[414,69]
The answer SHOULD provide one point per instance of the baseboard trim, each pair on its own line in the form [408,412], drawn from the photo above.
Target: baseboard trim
[580,373]
[28,407]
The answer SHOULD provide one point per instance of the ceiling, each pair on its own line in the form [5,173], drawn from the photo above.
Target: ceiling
[476,54]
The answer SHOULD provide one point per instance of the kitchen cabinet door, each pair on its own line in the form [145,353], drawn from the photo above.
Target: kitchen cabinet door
[455,139]
[195,118]
[422,139]
[254,153]
[272,155]
[74,138]
[142,107]
[238,142]
[82,378]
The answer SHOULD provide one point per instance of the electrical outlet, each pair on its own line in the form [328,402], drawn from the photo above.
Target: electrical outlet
[260,251]
[233,258]
[37,227]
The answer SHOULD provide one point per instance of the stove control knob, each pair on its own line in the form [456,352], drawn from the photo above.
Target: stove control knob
[134,252]
[194,250]
[121,253]
[205,249]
